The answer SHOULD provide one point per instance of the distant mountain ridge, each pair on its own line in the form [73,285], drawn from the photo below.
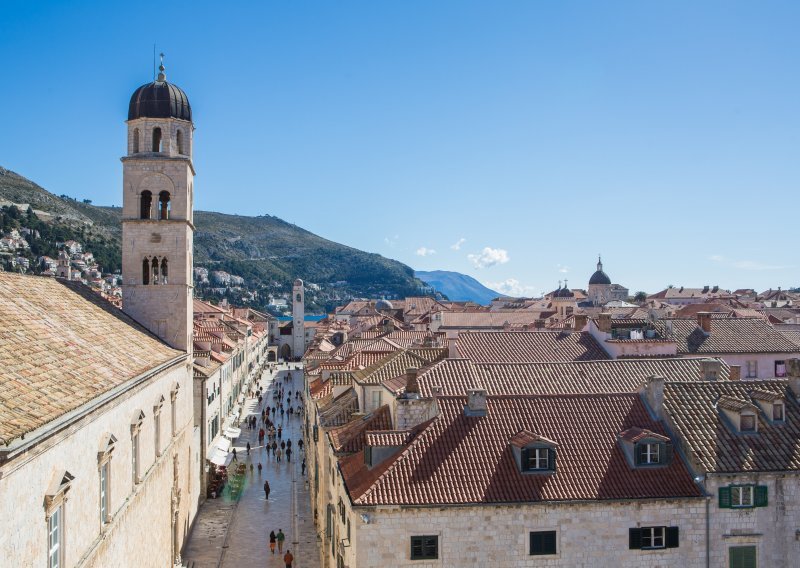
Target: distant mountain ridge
[266,251]
[457,287]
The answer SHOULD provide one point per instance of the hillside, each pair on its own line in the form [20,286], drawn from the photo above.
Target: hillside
[458,287]
[266,251]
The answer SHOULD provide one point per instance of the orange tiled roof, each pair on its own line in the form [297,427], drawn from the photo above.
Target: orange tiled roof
[728,335]
[61,345]
[529,347]
[350,437]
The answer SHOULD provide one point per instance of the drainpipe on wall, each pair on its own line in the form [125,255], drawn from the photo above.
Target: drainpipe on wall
[708,531]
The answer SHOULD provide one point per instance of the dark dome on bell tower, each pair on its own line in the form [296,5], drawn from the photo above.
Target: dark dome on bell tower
[159,99]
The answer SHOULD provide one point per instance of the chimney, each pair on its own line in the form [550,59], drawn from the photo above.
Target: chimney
[793,374]
[412,386]
[604,322]
[580,321]
[476,402]
[736,373]
[704,321]
[710,369]
[654,393]
[387,326]
[538,324]
[410,408]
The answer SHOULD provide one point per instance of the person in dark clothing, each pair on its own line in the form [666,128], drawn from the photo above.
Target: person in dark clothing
[248,448]
[266,488]
[283,445]
[300,444]
[302,467]
[288,454]
[272,541]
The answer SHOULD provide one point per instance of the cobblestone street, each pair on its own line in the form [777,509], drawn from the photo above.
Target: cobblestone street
[230,533]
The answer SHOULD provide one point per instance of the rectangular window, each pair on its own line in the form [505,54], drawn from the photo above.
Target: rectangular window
[742,557]
[135,458]
[376,399]
[742,496]
[538,458]
[752,369]
[654,538]
[777,412]
[780,368]
[55,538]
[651,453]
[157,433]
[425,547]
[103,493]
[747,423]
[173,410]
[543,542]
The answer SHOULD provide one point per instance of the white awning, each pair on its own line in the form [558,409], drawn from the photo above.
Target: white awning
[232,432]
[223,444]
[220,457]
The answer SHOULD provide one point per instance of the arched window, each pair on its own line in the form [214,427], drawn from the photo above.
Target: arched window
[163,270]
[163,205]
[180,142]
[156,139]
[146,204]
[154,265]
[135,140]
[145,272]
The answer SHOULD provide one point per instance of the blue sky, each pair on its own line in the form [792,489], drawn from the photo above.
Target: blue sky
[512,141]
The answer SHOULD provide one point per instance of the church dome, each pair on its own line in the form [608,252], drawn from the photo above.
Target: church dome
[159,99]
[383,305]
[599,277]
[563,293]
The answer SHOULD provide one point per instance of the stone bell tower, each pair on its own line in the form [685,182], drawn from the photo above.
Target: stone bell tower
[298,319]
[157,220]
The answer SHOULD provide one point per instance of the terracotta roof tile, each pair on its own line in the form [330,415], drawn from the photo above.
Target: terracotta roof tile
[61,345]
[528,347]
[728,335]
[458,459]
[349,438]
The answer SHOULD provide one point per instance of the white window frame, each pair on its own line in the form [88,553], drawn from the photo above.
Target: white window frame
[654,536]
[537,456]
[740,495]
[55,550]
[752,369]
[652,453]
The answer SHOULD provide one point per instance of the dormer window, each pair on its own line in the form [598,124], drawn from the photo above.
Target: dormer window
[533,453]
[645,448]
[777,412]
[772,404]
[747,422]
[741,414]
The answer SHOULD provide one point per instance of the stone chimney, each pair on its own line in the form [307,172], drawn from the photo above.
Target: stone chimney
[704,321]
[710,369]
[410,408]
[604,322]
[654,393]
[476,402]
[736,373]
[580,321]
[793,374]
[387,326]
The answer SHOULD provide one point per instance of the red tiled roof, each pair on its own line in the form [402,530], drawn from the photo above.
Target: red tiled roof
[525,437]
[458,459]
[389,438]
[529,347]
[728,335]
[714,443]
[349,438]
[635,434]
[455,376]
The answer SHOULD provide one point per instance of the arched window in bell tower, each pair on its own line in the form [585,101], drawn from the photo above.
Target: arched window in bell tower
[156,139]
[135,140]
[154,271]
[146,204]
[163,205]
[180,142]
[164,272]
[145,272]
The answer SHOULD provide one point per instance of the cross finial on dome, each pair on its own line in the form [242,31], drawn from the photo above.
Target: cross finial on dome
[599,262]
[161,75]
[559,284]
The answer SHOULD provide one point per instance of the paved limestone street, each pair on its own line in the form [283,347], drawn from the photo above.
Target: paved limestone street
[232,534]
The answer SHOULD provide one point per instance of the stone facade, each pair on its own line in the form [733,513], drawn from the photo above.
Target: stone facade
[298,319]
[162,505]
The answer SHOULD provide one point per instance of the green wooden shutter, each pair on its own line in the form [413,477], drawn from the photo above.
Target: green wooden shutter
[724,497]
[635,539]
[640,451]
[672,537]
[525,459]
[761,496]
[551,459]
[667,454]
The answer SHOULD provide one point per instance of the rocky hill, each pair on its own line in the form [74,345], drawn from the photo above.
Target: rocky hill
[458,287]
[266,251]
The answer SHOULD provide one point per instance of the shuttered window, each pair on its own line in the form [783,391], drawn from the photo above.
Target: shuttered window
[653,538]
[543,542]
[742,557]
[743,496]
[424,547]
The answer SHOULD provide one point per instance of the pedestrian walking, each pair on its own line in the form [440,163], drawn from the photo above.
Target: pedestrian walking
[280,537]
[281,412]
[283,445]
[302,467]
[259,467]
[274,446]
[280,432]
[234,455]
[248,448]
[300,444]
[278,454]
[288,455]
[272,541]
[288,558]
[267,488]
[289,443]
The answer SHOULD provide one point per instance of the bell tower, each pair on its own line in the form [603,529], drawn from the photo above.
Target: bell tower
[298,319]
[157,207]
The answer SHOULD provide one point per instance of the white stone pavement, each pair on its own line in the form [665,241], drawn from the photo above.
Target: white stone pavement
[231,534]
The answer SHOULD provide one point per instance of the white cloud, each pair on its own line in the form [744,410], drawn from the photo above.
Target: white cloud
[753,265]
[488,257]
[424,251]
[716,257]
[512,287]
[563,269]
[458,243]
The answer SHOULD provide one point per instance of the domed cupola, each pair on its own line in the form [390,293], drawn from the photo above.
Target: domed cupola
[159,99]
[563,292]
[600,277]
